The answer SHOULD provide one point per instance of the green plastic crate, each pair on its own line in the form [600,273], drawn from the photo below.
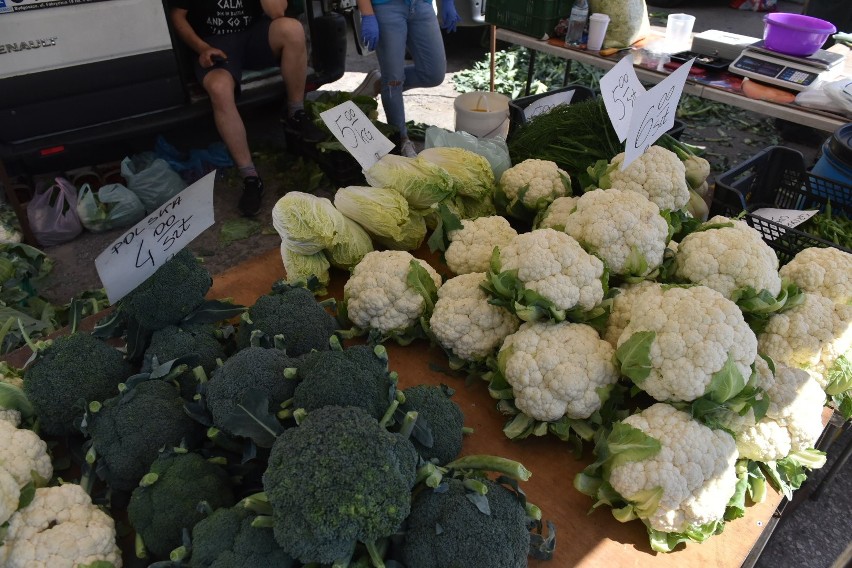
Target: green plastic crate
[535,18]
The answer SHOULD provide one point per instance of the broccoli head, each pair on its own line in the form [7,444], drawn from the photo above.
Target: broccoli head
[356,376]
[467,536]
[294,314]
[337,479]
[173,292]
[226,539]
[67,374]
[253,368]
[444,417]
[168,497]
[174,341]
[128,431]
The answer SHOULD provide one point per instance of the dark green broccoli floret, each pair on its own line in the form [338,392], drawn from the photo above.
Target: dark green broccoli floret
[294,314]
[178,341]
[226,539]
[69,373]
[167,500]
[447,530]
[129,430]
[348,377]
[173,292]
[444,417]
[336,479]
[253,368]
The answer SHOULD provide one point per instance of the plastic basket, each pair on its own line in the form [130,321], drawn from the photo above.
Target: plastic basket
[535,18]
[517,106]
[777,177]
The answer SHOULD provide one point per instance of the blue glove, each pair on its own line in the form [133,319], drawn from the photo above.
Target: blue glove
[369,31]
[449,15]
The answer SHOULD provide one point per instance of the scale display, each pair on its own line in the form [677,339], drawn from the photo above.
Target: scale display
[796,74]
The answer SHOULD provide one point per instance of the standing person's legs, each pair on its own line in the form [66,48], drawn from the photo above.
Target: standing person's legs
[392,17]
[426,46]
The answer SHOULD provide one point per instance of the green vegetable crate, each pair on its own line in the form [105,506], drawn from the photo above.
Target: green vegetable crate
[777,177]
[535,18]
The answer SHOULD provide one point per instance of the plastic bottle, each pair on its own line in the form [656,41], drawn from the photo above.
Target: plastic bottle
[577,22]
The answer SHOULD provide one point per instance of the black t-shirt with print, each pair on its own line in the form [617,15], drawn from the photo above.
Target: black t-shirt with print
[219,17]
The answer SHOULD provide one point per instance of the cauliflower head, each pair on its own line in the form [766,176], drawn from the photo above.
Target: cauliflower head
[535,183]
[824,271]
[555,369]
[377,294]
[556,213]
[793,421]
[697,333]
[465,323]
[810,336]
[24,455]
[471,246]
[554,265]
[658,174]
[60,528]
[694,469]
[622,303]
[728,259]
[10,493]
[622,227]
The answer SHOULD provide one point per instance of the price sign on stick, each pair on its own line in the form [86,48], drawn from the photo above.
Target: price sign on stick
[357,133]
[545,104]
[654,113]
[620,89]
[140,251]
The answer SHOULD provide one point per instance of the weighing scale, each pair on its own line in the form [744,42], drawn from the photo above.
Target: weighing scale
[787,71]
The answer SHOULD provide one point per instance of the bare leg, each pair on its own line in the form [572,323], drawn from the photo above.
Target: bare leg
[287,40]
[220,86]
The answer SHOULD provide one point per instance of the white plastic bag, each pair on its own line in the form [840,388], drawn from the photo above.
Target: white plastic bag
[52,213]
[494,150]
[153,181]
[833,96]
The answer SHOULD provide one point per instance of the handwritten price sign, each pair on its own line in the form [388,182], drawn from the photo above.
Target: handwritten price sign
[357,133]
[787,217]
[620,89]
[654,113]
[546,104]
[140,251]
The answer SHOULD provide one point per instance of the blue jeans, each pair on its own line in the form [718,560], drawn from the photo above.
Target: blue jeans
[413,26]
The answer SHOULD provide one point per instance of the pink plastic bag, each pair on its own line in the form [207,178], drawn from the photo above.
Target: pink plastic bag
[755,5]
[52,213]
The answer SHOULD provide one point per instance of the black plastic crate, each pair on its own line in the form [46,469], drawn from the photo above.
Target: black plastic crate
[777,177]
[517,106]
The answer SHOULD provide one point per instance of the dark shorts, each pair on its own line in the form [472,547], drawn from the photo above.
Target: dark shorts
[246,50]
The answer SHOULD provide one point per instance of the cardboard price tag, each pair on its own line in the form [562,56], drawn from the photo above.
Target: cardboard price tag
[787,217]
[140,251]
[654,113]
[620,89]
[357,133]
[545,104]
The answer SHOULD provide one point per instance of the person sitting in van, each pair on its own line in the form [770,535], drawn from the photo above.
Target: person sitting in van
[232,35]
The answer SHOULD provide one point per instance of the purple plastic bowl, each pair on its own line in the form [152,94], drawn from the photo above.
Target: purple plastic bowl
[795,34]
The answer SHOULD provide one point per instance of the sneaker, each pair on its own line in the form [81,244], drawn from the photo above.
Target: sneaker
[252,196]
[301,125]
[371,86]
[408,150]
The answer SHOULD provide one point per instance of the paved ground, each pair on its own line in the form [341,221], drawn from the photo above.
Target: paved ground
[812,536]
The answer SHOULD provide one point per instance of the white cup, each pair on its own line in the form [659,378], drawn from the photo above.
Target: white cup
[679,32]
[597,30]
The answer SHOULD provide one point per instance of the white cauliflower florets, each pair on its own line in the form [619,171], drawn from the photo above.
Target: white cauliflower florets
[556,266]
[697,331]
[60,528]
[10,493]
[471,246]
[465,323]
[622,303]
[24,454]
[810,336]
[695,468]
[554,216]
[541,181]
[555,369]
[824,271]
[793,421]
[622,227]
[11,416]
[728,259]
[377,294]
[658,174]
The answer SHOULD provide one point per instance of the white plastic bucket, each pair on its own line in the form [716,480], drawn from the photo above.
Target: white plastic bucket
[483,114]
